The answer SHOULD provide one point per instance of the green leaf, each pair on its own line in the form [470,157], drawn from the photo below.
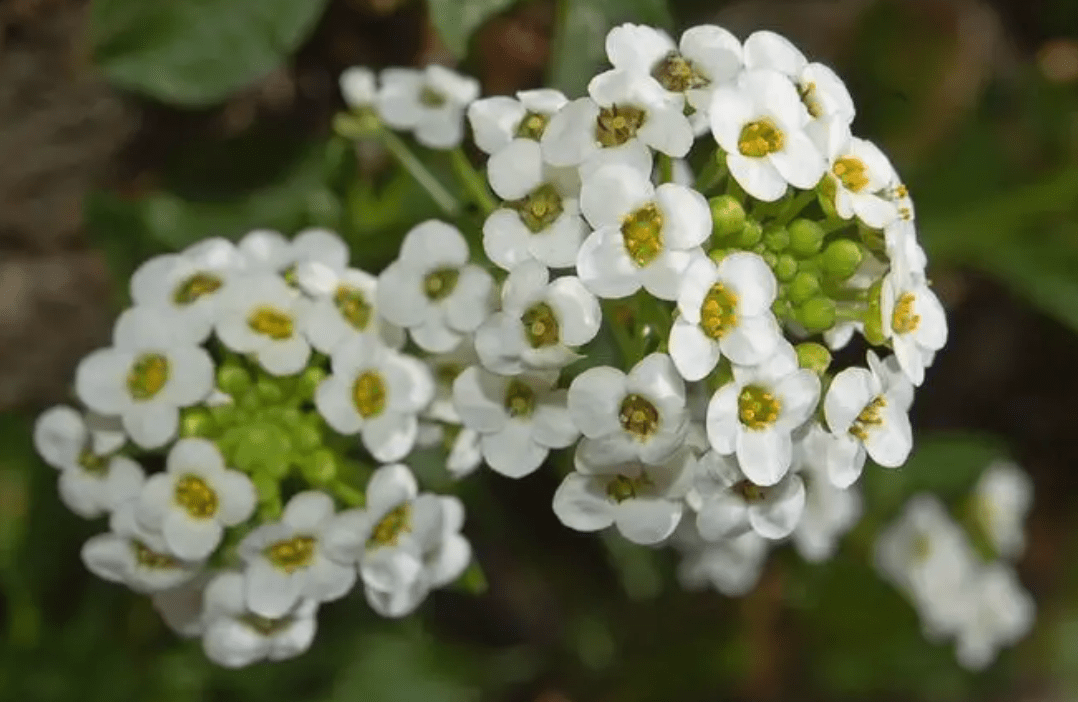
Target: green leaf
[195,53]
[457,20]
[580,37]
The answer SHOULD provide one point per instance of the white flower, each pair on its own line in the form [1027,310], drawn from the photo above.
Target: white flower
[755,414]
[541,323]
[644,235]
[731,566]
[903,249]
[195,499]
[760,124]
[520,419]
[262,315]
[135,556]
[445,367]
[540,216]
[359,87]
[287,561]
[429,102]
[465,452]
[497,121]
[730,504]
[705,57]
[145,377]
[1001,501]
[913,320]
[181,606]
[822,92]
[725,310]
[267,251]
[829,511]
[432,289]
[184,285]
[376,392]
[641,416]
[860,175]
[867,411]
[644,501]
[235,636]
[343,307]
[999,613]
[93,478]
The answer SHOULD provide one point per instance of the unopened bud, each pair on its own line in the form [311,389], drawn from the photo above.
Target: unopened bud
[814,357]
[841,259]
[727,216]
[806,237]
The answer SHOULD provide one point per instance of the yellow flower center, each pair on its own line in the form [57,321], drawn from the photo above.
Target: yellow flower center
[369,394]
[440,284]
[148,558]
[757,407]
[871,416]
[195,287]
[718,313]
[197,498]
[540,208]
[617,125]
[264,626]
[147,376]
[643,234]
[93,464]
[921,548]
[429,97]
[519,399]
[638,416]
[532,126]
[760,138]
[749,491]
[809,98]
[905,320]
[387,532]
[272,322]
[677,74]
[353,306]
[622,487]
[851,171]
[292,554]
[540,325]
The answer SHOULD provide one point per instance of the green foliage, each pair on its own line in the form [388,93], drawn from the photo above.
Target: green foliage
[457,20]
[196,53]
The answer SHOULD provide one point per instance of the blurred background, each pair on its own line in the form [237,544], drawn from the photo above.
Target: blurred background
[129,128]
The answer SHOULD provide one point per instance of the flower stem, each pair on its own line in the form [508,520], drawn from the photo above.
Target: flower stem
[666,168]
[712,174]
[794,207]
[438,192]
[472,181]
[614,313]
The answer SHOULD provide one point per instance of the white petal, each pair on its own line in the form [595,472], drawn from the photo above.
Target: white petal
[328,580]
[594,400]
[750,278]
[647,521]
[469,304]
[271,592]
[190,539]
[752,341]
[850,392]
[663,276]
[389,486]
[757,176]
[604,265]
[714,50]
[580,504]
[686,216]
[433,243]
[569,137]
[506,239]
[479,397]
[778,516]
[579,315]
[516,170]
[333,398]
[237,494]
[637,47]
[152,425]
[845,457]
[799,162]
[307,510]
[890,443]
[557,245]
[494,120]
[390,436]
[766,49]
[730,111]
[285,357]
[799,393]
[512,452]
[722,422]
[693,352]
[99,380]
[667,129]
[722,517]
[611,193]
[552,425]
[60,435]
[764,454]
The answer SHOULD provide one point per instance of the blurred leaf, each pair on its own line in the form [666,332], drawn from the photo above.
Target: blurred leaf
[457,20]
[196,52]
[580,38]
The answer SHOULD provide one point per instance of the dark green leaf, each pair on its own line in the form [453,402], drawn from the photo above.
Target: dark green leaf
[457,20]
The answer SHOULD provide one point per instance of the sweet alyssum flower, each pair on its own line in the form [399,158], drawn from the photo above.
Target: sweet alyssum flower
[519,418]
[541,323]
[432,289]
[1001,500]
[730,504]
[829,511]
[639,416]
[359,87]
[755,414]
[732,566]
[644,235]
[999,612]
[195,499]
[261,315]
[858,174]
[343,306]
[497,121]
[268,251]
[378,393]
[428,102]
[724,310]
[145,377]
[94,479]
[913,320]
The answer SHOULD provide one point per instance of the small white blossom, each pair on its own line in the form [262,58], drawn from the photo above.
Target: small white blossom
[432,289]
[287,560]
[913,320]
[497,121]
[756,413]
[644,235]
[262,315]
[520,418]
[428,102]
[999,613]
[725,310]
[829,511]
[731,566]
[639,416]
[444,368]
[903,249]
[541,323]
[1001,500]
[378,393]
[343,306]
[859,173]
[195,499]
[359,87]
[145,377]
[730,504]
[267,251]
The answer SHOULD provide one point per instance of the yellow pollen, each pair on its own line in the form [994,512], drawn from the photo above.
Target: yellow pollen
[638,416]
[195,287]
[196,498]
[905,320]
[643,234]
[540,325]
[532,126]
[429,97]
[265,626]
[292,554]
[148,558]
[388,531]
[147,376]
[440,284]
[622,487]
[757,408]
[750,491]
[272,322]
[93,464]
[369,394]
[760,138]
[540,208]
[921,548]
[807,93]
[677,74]
[353,306]
[870,417]
[519,399]
[718,313]
[851,171]
[617,124]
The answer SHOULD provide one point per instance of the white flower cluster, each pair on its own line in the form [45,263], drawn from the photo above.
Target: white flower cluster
[964,588]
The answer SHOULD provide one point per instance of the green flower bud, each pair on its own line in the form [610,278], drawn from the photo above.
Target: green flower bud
[718,254]
[815,357]
[276,466]
[825,194]
[196,421]
[841,258]
[249,402]
[873,330]
[320,467]
[750,235]
[770,258]
[306,436]
[806,237]
[309,380]
[268,489]
[785,268]
[804,286]
[776,238]
[817,314]
[233,378]
[224,415]
[727,216]
[269,392]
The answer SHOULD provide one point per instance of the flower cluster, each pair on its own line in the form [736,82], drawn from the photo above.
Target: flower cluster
[672,330]
[962,582]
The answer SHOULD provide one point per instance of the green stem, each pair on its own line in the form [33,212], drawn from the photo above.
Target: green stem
[712,174]
[473,182]
[794,207]
[622,336]
[438,192]
[734,190]
[666,168]
[833,224]
[348,494]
